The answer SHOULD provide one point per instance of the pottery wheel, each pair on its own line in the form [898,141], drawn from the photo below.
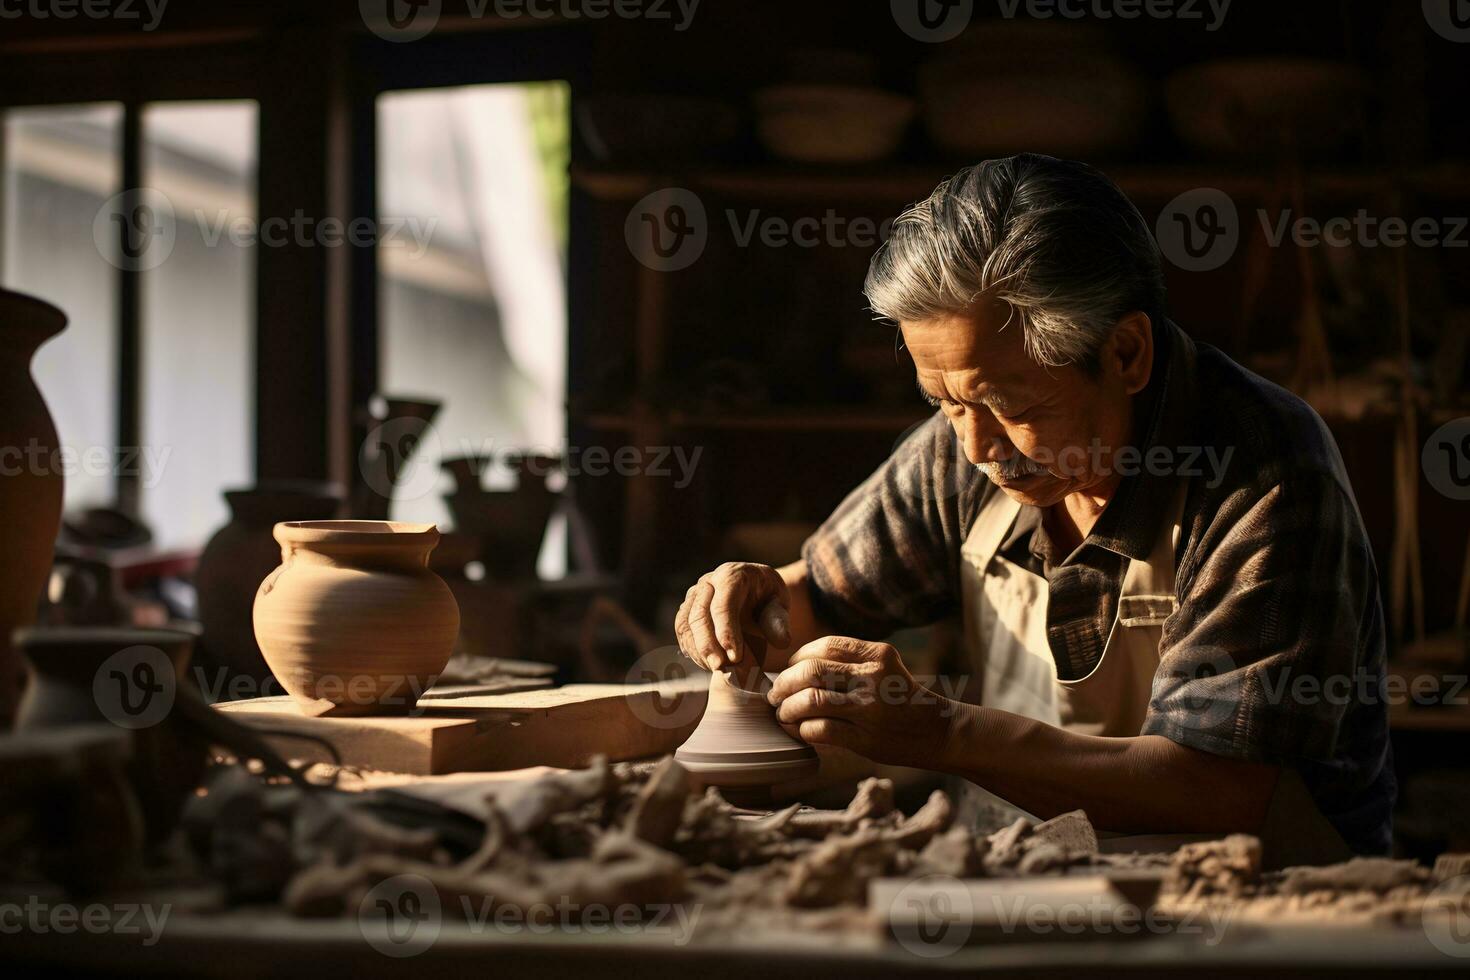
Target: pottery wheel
[739,743]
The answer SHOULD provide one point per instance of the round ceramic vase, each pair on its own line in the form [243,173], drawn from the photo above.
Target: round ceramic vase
[353,622]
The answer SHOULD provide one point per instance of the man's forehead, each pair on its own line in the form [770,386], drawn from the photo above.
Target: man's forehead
[967,349]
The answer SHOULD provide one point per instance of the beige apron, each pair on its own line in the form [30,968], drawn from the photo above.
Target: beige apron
[1006,643]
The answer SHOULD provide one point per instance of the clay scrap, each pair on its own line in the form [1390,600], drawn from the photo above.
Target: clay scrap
[1226,875]
[645,836]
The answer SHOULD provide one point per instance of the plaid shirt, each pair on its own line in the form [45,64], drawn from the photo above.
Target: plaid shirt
[1276,652]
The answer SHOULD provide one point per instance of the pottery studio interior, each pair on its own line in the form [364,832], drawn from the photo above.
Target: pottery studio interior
[739,487]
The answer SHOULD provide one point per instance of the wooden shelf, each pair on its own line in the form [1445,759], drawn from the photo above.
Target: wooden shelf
[906,182]
[816,419]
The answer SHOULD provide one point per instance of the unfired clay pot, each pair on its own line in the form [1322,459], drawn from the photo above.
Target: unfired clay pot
[353,621]
[739,743]
[30,486]
[237,558]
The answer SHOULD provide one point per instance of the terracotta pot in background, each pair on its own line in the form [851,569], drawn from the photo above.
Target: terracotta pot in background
[1268,107]
[510,524]
[30,487]
[353,621]
[650,127]
[237,558]
[131,679]
[832,123]
[393,428]
[68,801]
[1046,86]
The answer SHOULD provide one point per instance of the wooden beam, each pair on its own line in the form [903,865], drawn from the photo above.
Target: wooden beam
[299,343]
[129,314]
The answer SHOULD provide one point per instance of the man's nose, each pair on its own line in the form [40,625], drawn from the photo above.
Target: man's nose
[982,437]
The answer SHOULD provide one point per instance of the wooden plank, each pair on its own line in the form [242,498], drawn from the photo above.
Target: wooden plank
[936,915]
[563,727]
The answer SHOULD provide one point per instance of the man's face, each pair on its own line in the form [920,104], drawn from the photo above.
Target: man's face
[1039,433]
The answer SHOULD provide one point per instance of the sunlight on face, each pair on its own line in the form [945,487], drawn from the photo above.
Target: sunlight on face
[1039,433]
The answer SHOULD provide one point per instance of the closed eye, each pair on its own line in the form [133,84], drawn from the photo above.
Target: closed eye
[929,397]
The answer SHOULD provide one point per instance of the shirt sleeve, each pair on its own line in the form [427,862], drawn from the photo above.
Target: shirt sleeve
[1278,606]
[888,556]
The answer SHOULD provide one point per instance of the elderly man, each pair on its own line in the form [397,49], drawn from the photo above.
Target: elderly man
[1168,598]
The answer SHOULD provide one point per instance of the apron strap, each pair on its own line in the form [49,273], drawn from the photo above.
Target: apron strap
[992,525]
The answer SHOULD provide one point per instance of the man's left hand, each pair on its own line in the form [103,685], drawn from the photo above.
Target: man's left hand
[860,696]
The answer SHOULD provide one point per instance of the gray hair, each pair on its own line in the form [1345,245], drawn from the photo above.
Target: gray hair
[1054,239]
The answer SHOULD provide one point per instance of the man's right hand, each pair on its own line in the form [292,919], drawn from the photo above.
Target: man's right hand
[731,613]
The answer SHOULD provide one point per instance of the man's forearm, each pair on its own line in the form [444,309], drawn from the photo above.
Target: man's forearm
[1143,784]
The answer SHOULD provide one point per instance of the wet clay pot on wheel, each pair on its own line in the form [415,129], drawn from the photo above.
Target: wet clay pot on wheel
[237,558]
[30,495]
[739,743]
[353,621]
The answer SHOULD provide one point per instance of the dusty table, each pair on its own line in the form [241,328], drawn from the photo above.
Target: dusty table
[254,944]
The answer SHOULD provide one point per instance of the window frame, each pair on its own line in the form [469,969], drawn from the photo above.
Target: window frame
[49,77]
[316,85]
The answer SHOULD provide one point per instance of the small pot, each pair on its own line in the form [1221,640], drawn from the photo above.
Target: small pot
[466,470]
[1266,107]
[509,524]
[832,123]
[134,680]
[67,799]
[353,622]
[230,571]
[649,127]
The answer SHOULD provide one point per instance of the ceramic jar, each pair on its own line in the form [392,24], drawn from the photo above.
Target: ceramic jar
[67,800]
[134,680]
[353,621]
[237,558]
[510,524]
[30,486]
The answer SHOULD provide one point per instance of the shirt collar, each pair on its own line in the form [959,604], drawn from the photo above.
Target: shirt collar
[1131,521]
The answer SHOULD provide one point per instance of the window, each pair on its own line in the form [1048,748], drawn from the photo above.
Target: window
[63,172]
[473,189]
[62,164]
[198,317]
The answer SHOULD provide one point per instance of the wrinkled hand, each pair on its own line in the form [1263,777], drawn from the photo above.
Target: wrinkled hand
[729,616]
[860,696]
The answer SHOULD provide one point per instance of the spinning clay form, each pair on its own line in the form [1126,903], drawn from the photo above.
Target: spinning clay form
[739,743]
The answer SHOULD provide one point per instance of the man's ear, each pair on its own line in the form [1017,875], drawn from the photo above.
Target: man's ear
[1129,352]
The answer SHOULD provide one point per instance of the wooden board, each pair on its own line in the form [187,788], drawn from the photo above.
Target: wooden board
[564,726]
[938,914]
